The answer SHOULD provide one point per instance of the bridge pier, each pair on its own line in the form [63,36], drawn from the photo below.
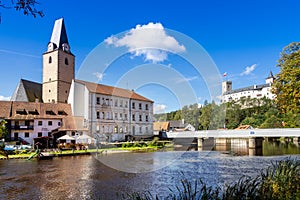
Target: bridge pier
[200,143]
[296,141]
[255,146]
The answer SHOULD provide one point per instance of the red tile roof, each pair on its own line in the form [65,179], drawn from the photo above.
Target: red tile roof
[9,110]
[112,91]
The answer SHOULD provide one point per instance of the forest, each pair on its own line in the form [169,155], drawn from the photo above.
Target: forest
[282,112]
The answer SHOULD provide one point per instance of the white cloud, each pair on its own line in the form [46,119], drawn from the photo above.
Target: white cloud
[3,98]
[249,70]
[187,79]
[99,75]
[159,108]
[150,41]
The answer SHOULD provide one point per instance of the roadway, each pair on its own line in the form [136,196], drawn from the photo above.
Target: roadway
[248,133]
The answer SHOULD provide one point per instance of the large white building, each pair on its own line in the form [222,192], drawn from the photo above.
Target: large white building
[254,91]
[110,113]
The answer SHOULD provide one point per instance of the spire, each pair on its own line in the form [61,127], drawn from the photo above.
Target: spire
[270,75]
[59,35]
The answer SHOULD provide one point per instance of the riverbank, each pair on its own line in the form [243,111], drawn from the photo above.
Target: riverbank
[83,152]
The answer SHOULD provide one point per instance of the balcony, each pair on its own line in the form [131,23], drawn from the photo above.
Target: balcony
[22,127]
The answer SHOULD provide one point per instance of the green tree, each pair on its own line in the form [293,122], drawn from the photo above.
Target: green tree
[287,83]
[3,129]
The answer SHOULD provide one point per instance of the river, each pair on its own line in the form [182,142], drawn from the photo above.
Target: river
[108,175]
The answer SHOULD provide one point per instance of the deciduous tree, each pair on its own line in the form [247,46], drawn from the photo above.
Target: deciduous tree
[287,83]
[27,7]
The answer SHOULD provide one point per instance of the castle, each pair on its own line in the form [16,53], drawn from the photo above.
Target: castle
[255,91]
[63,105]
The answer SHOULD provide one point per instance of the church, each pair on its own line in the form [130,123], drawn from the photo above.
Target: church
[63,105]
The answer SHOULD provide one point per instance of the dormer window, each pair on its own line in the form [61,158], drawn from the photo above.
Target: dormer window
[50,59]
[50,112]
[66,47]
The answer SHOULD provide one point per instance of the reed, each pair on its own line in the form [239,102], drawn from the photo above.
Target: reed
[279,181]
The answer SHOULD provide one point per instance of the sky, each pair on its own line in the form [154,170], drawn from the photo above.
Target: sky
[173,62]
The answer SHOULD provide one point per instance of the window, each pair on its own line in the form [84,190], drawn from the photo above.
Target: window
[126,104]
[98,115]
[66,61]
[116,129]
[50,59]
[26,134]
[98,100]
[40,134]
[33,112]
[121,103]
[49,123]
[40,123]
[49,112]
[49,91]
[140,117]
[66,91]
[21,112]
[16,135]
[140,106]
[140,129]
[146,118]
[125,116]
[103,115]
[58,123]
[62,112]
[49,134]
[116,103]
[73,133]
[133,117]
[121,130]
[121,116]
[133,105]
[146,106]
[146,129]
[116,115]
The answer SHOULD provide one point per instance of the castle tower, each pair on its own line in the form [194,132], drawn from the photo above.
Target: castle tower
[226,86]
[58,66]
[270,79]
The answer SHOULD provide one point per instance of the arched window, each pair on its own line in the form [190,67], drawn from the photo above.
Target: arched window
[50,59]
[66,61]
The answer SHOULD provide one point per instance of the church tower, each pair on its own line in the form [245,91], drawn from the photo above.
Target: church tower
[58,66]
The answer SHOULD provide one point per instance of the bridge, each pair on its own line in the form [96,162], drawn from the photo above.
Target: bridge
[255,137]
[246,133]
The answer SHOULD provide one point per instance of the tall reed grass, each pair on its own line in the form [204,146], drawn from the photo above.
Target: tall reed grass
[279,181]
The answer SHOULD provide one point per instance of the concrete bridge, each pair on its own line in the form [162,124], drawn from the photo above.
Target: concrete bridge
[255,136]
[248,133]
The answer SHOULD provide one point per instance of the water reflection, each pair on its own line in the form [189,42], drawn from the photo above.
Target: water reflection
[85,177]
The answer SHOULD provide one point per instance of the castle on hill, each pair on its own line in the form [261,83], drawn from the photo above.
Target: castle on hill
[254,91]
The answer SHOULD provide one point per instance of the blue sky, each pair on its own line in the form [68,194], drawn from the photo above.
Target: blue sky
[243,38]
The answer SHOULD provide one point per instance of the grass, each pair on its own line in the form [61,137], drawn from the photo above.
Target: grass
[128,146]
[280,181]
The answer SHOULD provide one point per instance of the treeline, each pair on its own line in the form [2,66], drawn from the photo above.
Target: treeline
[259,113]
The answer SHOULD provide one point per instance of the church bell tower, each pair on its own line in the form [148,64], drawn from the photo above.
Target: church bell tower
[58,66]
